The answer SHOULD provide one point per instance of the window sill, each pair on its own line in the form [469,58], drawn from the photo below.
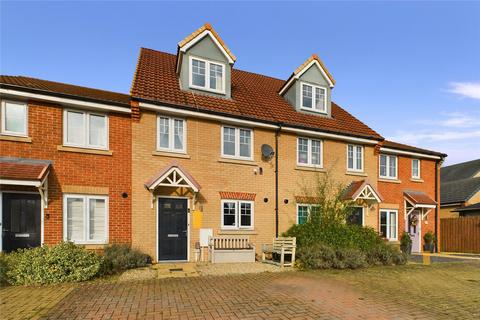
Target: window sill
[237,232]
[389,180]
[356,173]
[15,138]
[310,168]
[417,180]
[85,150]
[313,110]
[238,161]
[171,154]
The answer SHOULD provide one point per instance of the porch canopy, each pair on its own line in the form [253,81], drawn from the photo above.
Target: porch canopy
[363,191]
[418,200]
[26,173]
[174,175]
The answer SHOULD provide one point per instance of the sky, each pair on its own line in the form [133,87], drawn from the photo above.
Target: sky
[409,70]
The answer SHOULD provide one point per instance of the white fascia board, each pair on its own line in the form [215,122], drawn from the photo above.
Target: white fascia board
[231,120]
[298,75]
[200,37]
[415,154]
[33,183]
[64,101]
[428,206]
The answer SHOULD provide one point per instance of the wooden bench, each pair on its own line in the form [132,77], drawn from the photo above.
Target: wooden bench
[281,247]
[230,249]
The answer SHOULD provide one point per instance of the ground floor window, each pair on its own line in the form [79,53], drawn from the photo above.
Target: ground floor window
[237,214]
[304,211]
[388,224]
[356,217]
[85,218]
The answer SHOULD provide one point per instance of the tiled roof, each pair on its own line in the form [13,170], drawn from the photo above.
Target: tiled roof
[63,89]
[459,190]
[254,97]
[355,188]
[206,26]
[418,197]
[460,171]
[404,147]
[472,207]
[23,169]
[237,195]
[174,164]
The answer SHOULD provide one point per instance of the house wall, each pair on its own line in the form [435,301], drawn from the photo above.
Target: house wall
[203,161]
[74,172]
[392,191]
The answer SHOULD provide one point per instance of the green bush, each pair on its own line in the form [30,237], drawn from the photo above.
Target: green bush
[405,242]
[429,237]
[3,269]
[118,258]
[321,256]
[65,262]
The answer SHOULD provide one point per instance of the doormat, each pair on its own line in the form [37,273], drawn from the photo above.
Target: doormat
[175,269]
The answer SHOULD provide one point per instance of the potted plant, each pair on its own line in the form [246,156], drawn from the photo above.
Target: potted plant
[429,239]
[406,243]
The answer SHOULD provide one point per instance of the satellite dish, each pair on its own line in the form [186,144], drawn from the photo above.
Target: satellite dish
[267,151]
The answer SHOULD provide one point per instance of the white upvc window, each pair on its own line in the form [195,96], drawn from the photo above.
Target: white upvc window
[305,210]
[388,224]
[237,214]
[14,118]
[354,158]
[388,166]
[415,168]
[85,219]
[85,129]
[171,134]
[207,75]
[313,98]
[309,152]
[237,143]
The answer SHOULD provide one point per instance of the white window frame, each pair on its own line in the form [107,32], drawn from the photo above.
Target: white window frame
[363,214]
[309,208]
[207,74]
[389,156]
[314,88]
[237,225]
[388,235]
[309,155]
[237,143]
[171,122]
[355,169]
[419,165]
[86,201]
[86,143]
[4,131]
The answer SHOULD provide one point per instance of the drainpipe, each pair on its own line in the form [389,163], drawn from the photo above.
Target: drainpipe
[277,133]
[436,208]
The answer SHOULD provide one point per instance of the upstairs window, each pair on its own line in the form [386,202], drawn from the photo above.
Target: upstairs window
[85,129]
[388,166]
[14,118]
[207,75]
[314,98]
[415,168]
[237,214]
[354,158]
[237,143]
[309,152]
[171,134]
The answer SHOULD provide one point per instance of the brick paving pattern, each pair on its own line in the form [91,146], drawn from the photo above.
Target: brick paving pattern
[412,292]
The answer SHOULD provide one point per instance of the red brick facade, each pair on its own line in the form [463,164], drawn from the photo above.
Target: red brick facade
[111,172]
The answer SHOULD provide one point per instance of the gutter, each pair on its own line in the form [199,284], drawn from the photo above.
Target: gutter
[277,133]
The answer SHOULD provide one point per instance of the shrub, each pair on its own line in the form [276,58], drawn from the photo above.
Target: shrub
[118,258]
[429,237]
[65,262]
[321,256]
[3,269]
[405,242]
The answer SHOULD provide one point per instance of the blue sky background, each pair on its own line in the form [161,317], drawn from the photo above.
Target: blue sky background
[409,70]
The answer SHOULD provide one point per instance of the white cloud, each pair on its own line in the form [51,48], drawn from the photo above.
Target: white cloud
[416,137]
[466,89]
[453,119]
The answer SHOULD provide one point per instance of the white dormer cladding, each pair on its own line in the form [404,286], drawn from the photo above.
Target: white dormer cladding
[204,63]
[309,88]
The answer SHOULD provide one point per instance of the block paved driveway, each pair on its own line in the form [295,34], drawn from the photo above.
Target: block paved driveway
[443,292]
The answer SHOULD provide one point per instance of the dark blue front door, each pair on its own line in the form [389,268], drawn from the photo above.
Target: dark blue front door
[172,229]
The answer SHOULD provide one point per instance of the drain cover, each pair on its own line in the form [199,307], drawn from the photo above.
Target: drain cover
[176,269]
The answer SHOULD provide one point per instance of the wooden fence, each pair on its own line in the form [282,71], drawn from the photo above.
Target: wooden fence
[460,234]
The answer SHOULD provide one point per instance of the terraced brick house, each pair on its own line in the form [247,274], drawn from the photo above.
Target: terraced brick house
[213,150]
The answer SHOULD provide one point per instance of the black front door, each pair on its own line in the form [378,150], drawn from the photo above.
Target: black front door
[172,229]
[21,224]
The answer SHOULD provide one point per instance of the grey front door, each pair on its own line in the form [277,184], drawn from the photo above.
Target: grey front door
[172,229]
[21,221]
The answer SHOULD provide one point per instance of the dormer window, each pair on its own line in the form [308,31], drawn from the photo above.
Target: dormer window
[314,98]
[207,75]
